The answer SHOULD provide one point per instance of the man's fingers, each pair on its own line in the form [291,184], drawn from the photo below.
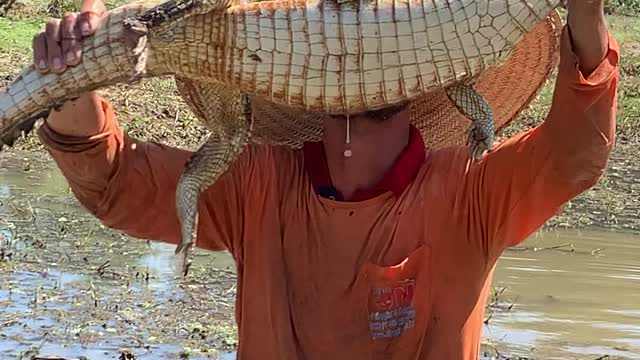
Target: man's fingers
[70,37]
[39,45]
[54,52]
[91,12]
[87,22]
[59,45]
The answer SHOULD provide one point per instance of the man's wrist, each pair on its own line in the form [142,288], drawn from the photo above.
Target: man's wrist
[79,118]
[589,33]
[586,7]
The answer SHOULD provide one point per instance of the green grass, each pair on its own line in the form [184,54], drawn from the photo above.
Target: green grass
[16,34]
[625,28]
[623,7]
[29,17]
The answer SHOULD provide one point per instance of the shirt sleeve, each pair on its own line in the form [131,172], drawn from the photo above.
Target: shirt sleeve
[130,185]
[529,177]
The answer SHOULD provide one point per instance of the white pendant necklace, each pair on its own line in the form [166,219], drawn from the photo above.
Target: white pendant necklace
[347,151]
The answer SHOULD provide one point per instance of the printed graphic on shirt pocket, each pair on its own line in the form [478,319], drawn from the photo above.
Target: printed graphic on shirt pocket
[398,304]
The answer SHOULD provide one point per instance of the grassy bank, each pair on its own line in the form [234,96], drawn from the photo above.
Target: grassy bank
[154,111]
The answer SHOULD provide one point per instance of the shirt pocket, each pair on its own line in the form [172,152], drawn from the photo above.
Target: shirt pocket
[397,300]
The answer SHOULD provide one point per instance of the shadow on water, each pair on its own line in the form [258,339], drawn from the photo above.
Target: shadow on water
[69,287]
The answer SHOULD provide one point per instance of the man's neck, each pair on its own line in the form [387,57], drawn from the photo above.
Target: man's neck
[375,146]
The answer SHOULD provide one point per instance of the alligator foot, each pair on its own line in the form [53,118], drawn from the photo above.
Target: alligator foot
[228,114]
[470,103]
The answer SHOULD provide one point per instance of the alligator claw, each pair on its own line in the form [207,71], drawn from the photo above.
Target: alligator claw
[471,104]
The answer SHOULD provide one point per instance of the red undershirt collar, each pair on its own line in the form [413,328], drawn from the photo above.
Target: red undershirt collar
[396,180]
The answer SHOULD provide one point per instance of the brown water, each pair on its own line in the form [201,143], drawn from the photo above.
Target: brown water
[584,303]
[73,288]
[70,287]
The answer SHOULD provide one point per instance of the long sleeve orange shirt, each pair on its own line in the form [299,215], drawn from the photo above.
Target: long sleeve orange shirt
[395,276]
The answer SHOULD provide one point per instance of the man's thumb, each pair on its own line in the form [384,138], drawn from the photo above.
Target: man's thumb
[93,6]
[90,13]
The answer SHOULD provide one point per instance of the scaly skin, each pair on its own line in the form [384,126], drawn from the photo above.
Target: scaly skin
[233,112]
[348,57]
[471,104]
[332,57]
[281,51]
[212,159]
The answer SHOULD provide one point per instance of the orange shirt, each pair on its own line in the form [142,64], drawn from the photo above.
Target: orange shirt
[401,275]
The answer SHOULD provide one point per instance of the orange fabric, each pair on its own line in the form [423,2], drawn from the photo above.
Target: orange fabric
[387,278]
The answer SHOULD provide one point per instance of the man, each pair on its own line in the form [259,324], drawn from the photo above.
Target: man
[398,262]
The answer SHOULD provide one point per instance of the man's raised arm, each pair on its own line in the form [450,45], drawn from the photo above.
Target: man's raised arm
[528,178]
[128,184]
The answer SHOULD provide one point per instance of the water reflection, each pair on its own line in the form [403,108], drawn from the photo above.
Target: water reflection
[161,263]
[114,292]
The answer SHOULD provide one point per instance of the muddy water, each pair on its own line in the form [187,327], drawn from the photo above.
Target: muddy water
[581,300]
[69,287]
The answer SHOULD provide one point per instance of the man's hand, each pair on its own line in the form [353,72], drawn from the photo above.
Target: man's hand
[589,33]
[58,47]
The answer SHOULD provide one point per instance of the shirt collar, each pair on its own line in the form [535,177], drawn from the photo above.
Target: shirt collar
[396,180]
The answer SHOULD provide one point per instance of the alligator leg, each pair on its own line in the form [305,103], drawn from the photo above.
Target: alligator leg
[228,115]
[471,104]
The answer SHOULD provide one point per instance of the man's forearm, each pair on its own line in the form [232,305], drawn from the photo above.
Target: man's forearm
[114,176]
[589,33]
[566,155]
